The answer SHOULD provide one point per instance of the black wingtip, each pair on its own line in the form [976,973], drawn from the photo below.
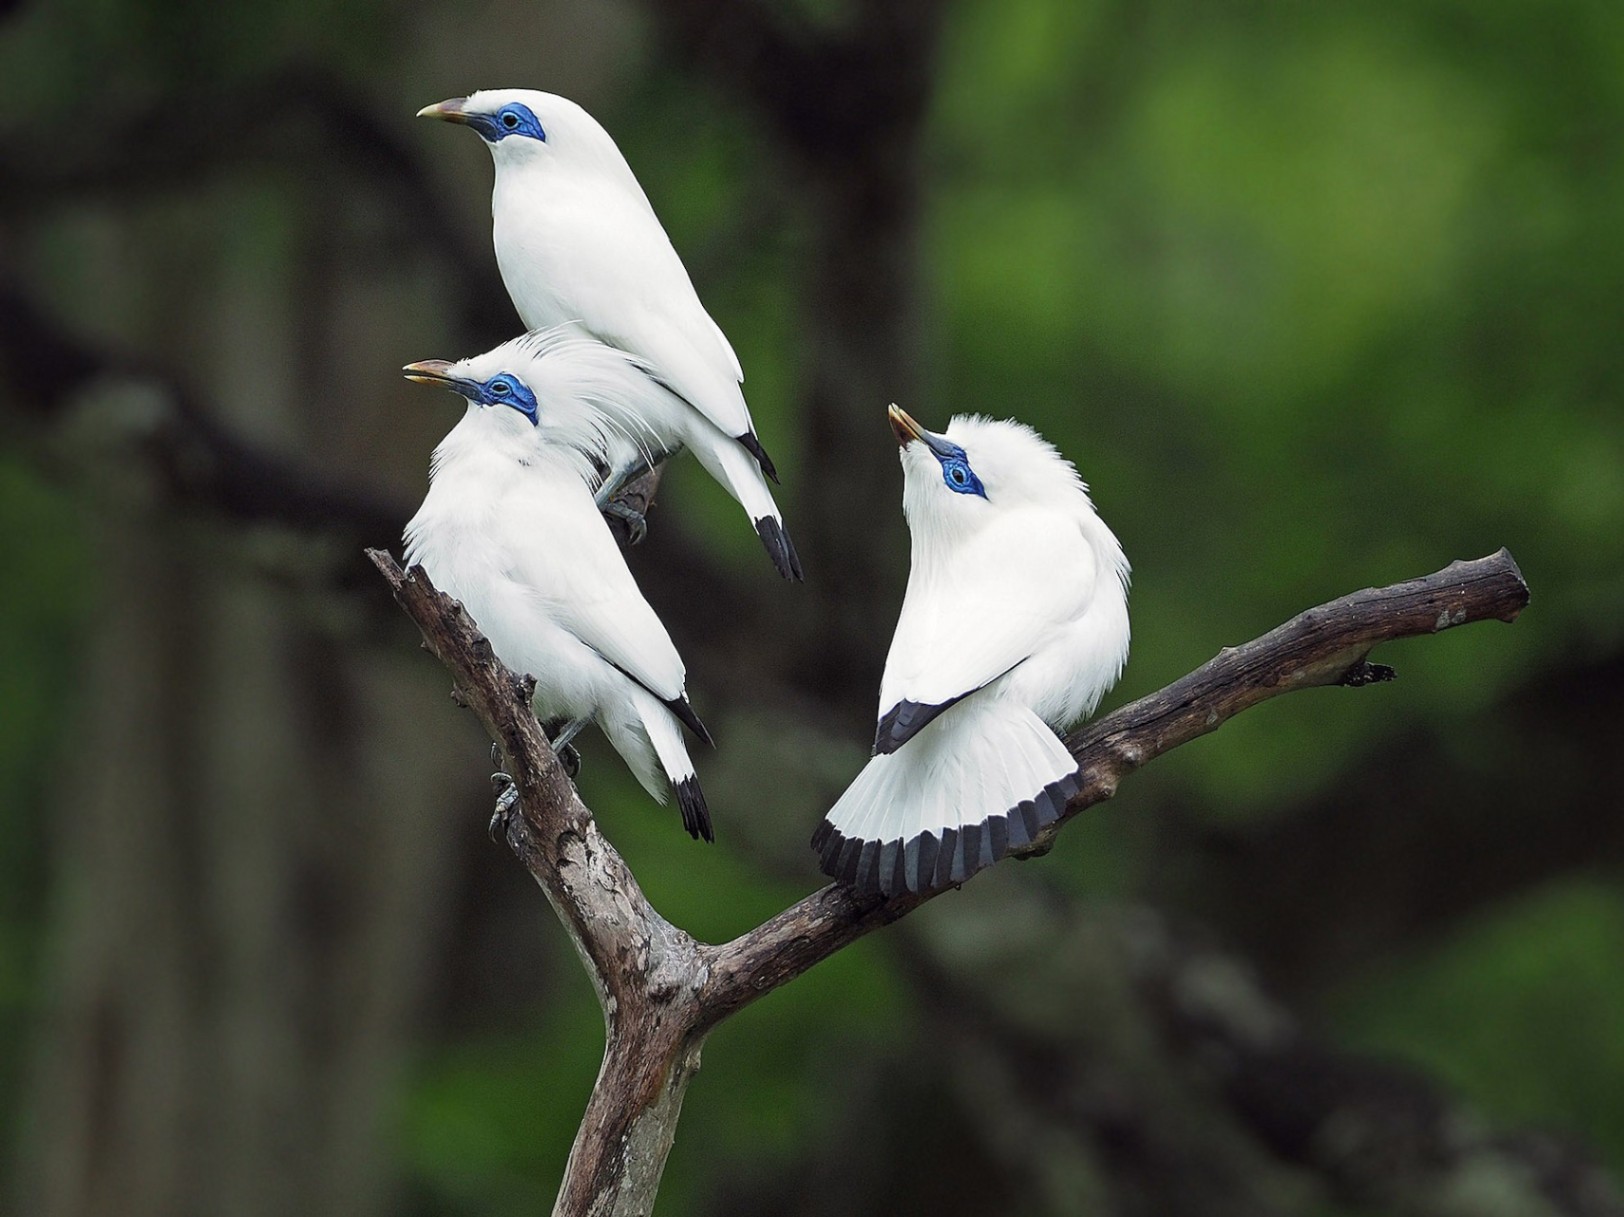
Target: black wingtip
[779,548]
[695,814]
[931,861]
[684,710]
[905,720]
[752,445]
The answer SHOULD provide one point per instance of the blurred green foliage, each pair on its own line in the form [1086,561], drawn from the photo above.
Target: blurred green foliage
[43,601]
[1518,1010]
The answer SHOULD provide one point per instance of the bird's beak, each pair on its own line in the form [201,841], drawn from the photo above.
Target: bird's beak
[450,111]
[905,428]
[431,372]
[907,431]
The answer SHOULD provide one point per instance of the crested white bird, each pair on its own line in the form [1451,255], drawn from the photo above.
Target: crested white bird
[1014,624]
[509,527]
[579,244]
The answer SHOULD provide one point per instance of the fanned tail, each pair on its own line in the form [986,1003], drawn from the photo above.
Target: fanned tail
[982,779]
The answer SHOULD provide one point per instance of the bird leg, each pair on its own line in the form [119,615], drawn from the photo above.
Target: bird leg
[507,796]
[636,521]
[567,755]
[507,793]
[617,481]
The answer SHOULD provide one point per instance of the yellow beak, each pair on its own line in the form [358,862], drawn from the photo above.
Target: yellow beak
[905,428]
[450,110]
[429,372]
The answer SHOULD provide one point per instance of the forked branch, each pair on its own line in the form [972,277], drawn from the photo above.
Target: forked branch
[662,992]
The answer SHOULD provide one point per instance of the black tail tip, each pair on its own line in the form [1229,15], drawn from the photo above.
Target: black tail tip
[933,861]
[686,715]
[752,445]
[779,548]
[695,814]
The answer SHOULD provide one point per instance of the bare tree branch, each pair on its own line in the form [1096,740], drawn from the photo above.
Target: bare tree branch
[662,991]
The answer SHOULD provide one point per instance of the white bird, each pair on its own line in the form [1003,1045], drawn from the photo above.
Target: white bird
[509,527]
[579,244]
[1015,622]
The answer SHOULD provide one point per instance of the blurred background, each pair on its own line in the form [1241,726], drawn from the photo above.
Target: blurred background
[1317,297]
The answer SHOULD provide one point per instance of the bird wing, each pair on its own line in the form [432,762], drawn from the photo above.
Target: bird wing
[586,587]
[967,621]
[727,349]
[629,288]
[687,353]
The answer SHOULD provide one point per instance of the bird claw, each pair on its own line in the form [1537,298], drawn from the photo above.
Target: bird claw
[636,522]
[570,759]
[507,797]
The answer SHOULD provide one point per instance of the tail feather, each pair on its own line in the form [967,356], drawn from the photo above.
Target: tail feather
[731,464]
[649,736]
[695,814]
[752,445]
[981,780]
[779,547]
[684,710]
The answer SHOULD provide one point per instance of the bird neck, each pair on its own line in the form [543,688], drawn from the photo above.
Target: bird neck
[542,178]
[494,442]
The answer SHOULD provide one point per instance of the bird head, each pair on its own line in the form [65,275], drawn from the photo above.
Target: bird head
[527,127]
[483,381]
[570,389]
[977,467]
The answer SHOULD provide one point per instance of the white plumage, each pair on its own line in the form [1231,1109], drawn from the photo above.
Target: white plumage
[579,244]
[1014,624]
[509,527]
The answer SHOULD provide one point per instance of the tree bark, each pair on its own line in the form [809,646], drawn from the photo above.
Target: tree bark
[662,992]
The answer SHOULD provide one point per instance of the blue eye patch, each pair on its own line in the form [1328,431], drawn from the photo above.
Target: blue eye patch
[957,475]
[505,389]
[515,118]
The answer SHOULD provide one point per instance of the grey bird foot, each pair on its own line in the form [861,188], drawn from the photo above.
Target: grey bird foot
[636,522]
[570,759]
[507,798]
[560,734]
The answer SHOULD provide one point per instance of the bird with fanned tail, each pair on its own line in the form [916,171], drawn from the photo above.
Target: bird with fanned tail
[1014,624]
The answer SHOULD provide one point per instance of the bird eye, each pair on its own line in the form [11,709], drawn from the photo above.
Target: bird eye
[510,120]
[958,475]
[500,388]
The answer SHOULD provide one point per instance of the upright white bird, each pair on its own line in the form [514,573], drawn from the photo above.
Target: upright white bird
[1015,622]
[578,244]
[510,528]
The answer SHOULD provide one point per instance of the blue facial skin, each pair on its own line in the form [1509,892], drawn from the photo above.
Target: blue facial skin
[515,118]
[957,475]
[503,389]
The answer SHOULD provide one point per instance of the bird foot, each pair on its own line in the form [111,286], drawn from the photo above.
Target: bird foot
[636,522]
[570,759]
[507,798]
